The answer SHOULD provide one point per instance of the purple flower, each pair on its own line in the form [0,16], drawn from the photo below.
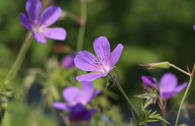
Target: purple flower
[149,81]
[80,113]
[38,21]
[74,95]
[76,100]
[168,86]
[99,65]
[68,61]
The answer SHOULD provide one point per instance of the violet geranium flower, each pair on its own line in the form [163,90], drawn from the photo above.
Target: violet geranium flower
[168,86]
[99,65]
[77,100]
[73,95]
[38,21]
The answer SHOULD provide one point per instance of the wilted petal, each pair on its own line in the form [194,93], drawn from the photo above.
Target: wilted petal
[148,81]
[39,37]
[50,16]
[87,92]
[116,53]
[90,76]
[102,49]
[86,61]
[24,21]
[167,83]
[60,105]
[54,33]
[33,8]
[72,95]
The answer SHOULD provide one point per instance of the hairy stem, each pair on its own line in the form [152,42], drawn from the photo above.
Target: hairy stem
[128,100]
[184,97]
[18,62]
[81,34]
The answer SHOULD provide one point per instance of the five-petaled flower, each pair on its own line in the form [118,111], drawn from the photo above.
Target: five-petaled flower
[76,101]
[99,65]
[38,21]
[167,86]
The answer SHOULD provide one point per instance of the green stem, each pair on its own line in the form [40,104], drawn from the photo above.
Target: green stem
[184,97]
[128,100]
[18,62]
[81,34]
[183,71]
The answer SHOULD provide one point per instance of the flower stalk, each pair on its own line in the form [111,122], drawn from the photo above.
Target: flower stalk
[185,95]
[179,69]
[19,60]
[128,100]
[82,29]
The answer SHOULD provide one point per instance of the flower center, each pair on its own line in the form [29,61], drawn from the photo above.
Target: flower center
[104,68]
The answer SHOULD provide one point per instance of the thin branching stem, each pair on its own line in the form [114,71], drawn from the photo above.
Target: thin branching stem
[184,97]
[19,60]
[179,69]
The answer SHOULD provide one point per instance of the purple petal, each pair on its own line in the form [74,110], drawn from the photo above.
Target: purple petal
[80,113]
[102,49]
[50,16]
[39,37]
[72,95]
[86,61]
[166,95]
[33,8]
[168,83]
[24,21]
[169,94]
[54,33]
[116,53]
[68,61]
[181,87]
[60,105]
[90,76]
[89,114]
[149,81]
[87,92]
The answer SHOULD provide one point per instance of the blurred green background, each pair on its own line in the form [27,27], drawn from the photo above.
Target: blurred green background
[150,30]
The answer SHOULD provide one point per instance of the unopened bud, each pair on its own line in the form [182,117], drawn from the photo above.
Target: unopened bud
[162,65]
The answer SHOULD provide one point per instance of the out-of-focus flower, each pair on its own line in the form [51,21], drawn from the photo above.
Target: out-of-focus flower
[168,86]
[80,113]
[38,21]
[149,81]
[99,65]
[73,95]
[193,27]
[76,101]
[68,61]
